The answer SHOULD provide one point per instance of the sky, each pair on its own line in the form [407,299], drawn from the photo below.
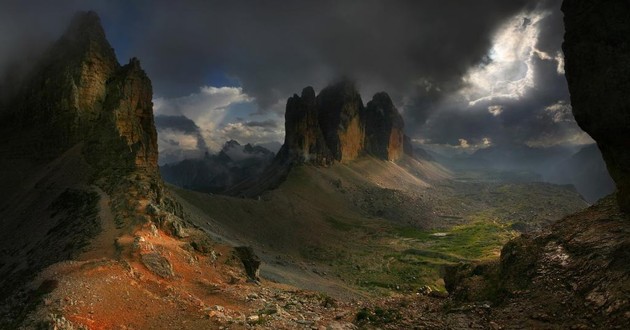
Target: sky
[465,75]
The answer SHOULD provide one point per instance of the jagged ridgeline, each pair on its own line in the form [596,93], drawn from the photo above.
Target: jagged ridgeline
[336,126]
[78,140]
[79,93]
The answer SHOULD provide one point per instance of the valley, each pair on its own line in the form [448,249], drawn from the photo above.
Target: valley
[383,233]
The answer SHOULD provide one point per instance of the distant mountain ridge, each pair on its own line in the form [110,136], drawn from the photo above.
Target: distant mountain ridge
[584,168]
[234,163]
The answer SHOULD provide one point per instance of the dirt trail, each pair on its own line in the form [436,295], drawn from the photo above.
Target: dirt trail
[103,246]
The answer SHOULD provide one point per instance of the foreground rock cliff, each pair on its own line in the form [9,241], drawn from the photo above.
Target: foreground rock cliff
[597,51]
[79,93]
[84,212]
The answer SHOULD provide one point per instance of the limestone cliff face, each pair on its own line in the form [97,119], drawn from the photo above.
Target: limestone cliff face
[597,51]
[79,93]
[384,128]
[340,112]
[336,126]
[303,135]
[129,99]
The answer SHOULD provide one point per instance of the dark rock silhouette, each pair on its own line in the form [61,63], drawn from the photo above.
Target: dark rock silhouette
[250,260]
[341,118]
[304,139]
[384,128]
[597,51]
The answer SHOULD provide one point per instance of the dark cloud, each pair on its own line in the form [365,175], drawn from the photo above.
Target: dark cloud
[178,138]
[418,51]
[179,123]
[264,124]
[274,48]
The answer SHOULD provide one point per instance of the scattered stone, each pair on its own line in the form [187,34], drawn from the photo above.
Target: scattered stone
[153,230]
[152,209]
[178,230]
[341,326]
[250,261]
[425,290]
[158,264]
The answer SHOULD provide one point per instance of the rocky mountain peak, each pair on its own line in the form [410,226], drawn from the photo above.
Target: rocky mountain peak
[85,40]
[336,126]
[85,25]
[340,114]
[79,93]
[308,95]
[304,140]
[230,144]
[384,128]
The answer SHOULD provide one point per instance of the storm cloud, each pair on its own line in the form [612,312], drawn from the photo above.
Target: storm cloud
[229,66]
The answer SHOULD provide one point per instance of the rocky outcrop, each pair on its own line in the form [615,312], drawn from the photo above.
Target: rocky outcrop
[384,136]
[573,275]
[341,118]
[336,126]
[304,139]
[597,64]
[78,92]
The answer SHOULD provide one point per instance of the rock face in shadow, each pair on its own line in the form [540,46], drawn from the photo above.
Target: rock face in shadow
[384,128]
[304,139]
[80,125]
[78,92]
[250,260]
[341,118]
[336,126]
[597,64]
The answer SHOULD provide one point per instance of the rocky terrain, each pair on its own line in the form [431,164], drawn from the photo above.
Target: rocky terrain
[215,173]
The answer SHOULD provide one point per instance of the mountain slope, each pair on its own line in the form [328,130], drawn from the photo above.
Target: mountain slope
[84,209]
